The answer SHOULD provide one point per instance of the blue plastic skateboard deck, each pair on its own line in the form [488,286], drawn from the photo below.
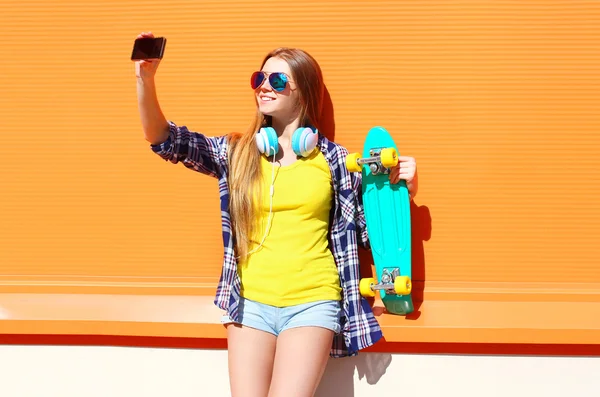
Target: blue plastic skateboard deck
[387,213]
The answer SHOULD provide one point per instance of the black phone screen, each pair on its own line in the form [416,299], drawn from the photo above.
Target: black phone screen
[148,48]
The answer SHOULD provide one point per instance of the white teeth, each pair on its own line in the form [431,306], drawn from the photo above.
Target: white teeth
[264,98]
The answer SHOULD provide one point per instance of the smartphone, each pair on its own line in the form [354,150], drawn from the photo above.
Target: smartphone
[148,48]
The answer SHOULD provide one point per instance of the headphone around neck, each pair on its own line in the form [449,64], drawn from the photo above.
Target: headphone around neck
[304,140]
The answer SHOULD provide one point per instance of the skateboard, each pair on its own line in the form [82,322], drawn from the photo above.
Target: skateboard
[387,213]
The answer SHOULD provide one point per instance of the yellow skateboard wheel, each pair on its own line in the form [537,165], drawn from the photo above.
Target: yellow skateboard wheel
[352,162]
[402,285]
[389,157]
[365,287]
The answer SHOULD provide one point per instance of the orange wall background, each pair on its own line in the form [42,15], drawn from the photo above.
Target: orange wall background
[497,100]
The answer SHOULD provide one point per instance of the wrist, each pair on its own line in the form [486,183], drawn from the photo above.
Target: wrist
[411,189]
[145,81]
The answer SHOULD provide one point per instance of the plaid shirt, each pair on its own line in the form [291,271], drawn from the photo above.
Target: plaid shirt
[208,155]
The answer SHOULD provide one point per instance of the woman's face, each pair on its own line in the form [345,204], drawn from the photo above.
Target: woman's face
[280,104]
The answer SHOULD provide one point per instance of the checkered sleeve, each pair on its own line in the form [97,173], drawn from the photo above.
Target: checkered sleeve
[361,223]
[206,155]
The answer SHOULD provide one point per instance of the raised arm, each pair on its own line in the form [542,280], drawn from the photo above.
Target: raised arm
[154,123]
[207,155]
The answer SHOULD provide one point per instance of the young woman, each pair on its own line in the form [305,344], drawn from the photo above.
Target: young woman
[292,220]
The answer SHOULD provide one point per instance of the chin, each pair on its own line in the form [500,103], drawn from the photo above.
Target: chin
[268,110]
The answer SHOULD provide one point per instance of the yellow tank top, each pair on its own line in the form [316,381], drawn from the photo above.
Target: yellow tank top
[294,264]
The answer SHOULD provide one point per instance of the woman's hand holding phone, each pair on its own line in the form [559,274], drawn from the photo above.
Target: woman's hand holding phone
[145,69]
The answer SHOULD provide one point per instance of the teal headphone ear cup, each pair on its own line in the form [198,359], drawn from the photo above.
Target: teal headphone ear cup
[304,140]
[266,141]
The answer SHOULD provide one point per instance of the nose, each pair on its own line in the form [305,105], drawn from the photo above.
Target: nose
[266,86]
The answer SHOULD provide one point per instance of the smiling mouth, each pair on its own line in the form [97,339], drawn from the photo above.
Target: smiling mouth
[266,98]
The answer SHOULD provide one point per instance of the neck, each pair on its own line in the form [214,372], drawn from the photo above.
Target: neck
[285,129]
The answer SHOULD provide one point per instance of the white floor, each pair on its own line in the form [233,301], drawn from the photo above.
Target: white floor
[45,371]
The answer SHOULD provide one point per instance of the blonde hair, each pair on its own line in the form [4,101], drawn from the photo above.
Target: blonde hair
[244,158]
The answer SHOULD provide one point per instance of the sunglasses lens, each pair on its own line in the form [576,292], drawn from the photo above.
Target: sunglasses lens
[278,81]
[257,79]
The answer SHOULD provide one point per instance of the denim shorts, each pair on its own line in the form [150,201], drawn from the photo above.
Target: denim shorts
[272,319]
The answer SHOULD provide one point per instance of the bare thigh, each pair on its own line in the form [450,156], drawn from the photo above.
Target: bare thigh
[251,354]
[300,360]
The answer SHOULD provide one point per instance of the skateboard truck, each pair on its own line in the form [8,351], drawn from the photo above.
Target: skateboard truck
[380,161]
[391,282]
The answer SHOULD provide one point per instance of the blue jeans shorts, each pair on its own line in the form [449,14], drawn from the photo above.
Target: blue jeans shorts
[272,319]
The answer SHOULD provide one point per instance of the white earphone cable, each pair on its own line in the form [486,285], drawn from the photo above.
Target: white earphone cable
[272,189]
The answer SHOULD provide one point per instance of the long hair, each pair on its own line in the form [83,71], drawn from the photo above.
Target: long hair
[245,173]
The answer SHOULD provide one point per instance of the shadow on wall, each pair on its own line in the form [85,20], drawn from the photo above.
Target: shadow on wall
[327,122]
[420,219]
[338,379]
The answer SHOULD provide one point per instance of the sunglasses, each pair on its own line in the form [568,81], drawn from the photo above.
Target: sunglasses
[277,80]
